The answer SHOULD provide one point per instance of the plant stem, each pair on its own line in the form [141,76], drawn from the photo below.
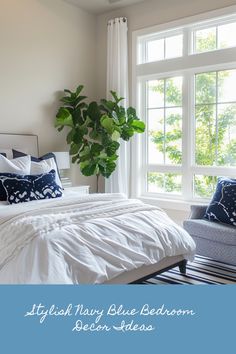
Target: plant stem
[97,183]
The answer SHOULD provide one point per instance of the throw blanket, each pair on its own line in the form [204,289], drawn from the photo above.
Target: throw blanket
[85,239]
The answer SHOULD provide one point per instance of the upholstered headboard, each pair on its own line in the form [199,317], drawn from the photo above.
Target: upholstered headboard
[22,142]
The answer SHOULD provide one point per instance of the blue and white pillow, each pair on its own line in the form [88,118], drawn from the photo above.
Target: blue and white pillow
[223,205]
[45,186]
[3,176]
[21,189]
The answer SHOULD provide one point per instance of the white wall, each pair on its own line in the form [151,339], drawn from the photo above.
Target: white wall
[45,46]
[143,15]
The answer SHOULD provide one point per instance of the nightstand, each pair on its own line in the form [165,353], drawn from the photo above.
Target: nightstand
[78,189]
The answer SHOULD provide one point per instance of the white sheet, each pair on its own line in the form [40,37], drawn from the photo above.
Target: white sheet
[84,239]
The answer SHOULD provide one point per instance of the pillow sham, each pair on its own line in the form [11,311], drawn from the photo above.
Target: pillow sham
[20,165]
[27,188]
[42,164]
[7,153]
[223,205]
[17,154]
[3,195]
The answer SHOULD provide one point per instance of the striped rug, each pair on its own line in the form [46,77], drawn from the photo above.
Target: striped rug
[202,271]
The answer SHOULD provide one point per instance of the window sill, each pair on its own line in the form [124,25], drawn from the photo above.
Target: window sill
[170,204]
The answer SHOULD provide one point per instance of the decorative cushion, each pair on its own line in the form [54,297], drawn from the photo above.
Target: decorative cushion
[45,186]
[20,166]
[19,189]
[27,188]
[7,153]
[42,164]
[17,154]
[3,195]
[223,205]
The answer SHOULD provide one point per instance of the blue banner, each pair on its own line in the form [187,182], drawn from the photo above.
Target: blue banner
[118,319]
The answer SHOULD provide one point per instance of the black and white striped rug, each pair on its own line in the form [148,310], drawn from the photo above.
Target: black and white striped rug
[202,271]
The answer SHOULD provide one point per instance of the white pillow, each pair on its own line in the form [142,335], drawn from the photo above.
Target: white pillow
[8,153]
[45,166]
[20,165]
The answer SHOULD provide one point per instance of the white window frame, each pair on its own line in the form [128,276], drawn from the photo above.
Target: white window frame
[187,65]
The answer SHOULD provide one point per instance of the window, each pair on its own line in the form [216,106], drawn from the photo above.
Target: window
[186,94]
[164,48]
[212,38]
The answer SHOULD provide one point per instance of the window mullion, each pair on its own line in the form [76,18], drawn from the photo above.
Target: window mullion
[217,98]
[187,134]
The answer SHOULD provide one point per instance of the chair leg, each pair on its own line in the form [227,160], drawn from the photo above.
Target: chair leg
[182,267]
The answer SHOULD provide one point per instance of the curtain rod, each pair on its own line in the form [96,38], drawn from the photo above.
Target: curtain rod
[124,19]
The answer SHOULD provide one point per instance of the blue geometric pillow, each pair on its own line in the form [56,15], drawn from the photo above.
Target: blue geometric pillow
[27,188]
[45,186]
[3,194]
[19,189]
[223,205]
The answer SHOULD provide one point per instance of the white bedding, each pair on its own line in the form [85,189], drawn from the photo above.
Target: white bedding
[84,239]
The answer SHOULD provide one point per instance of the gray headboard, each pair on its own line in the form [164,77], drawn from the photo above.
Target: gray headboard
[22,142]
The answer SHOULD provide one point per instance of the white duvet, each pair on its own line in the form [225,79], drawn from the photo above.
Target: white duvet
[84,239]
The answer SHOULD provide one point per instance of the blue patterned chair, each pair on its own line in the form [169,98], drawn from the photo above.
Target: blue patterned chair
[213,239]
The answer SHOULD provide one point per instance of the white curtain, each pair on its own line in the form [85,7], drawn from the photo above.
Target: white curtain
[117,80]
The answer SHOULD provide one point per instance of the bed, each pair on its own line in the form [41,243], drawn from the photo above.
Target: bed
[86,239]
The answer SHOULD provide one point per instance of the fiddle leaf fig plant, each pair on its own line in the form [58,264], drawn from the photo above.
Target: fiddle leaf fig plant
[95,129]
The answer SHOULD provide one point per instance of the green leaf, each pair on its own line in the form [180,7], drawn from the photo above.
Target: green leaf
[107,171]
[94,112]
[138,125]
[131,113]
[94,135]
[67,100]
[63,118]
[103,155]
[116,98]
[107,123]
[108,105]
[115,136]
[74,149]
[68,91]
[112,148]
[96,149]
[70,135]
[102,163]
[86,151]
[79,89]
[89,170]
[78,136]
[127,133]
[78,100]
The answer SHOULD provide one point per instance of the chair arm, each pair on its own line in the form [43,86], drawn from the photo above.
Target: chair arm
[197,211]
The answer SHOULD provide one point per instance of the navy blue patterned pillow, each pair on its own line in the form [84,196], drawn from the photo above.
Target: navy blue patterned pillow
[223,205]
[27,188]
[19,189]
[3,195]
[45,186]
